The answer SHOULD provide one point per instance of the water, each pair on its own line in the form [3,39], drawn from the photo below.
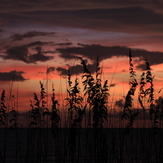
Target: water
[81,146]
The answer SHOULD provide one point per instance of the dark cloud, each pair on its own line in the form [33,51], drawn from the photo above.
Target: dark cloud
[1,30]
[77,69]
[92,51]
[119,103]
[106,52]
[120,20]
[50,69]
[30,34]
[38,43]
[39,56]
[21,53]
[141,67]
[62,71]
[12,76]
[39,5]
[64,44]
[17,53]
[112,85]
[40,72]
[128,18]
[119,16]
[49,51]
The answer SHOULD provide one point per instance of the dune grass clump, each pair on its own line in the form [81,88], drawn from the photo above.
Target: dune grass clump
[36,138]
[76,111]
[147,90]
[97,94]
[86,137]
[38,108]
[35,113]
[75,104]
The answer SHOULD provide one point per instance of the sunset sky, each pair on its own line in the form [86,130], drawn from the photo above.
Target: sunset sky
[41,39]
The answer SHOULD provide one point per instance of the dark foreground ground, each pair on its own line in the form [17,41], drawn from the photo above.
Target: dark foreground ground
[81,146]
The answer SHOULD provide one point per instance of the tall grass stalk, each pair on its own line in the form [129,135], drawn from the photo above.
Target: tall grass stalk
[3,118]
[3,109]
[97,94]
[15,125]
[54,115]
[76,112]
[99,146]
[128,114]
[142,95]
[36,137]
[127,111]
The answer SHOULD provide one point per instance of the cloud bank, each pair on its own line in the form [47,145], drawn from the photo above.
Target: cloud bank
[12,76]
[29,34]
[21,53]
[106,52]
[145,17]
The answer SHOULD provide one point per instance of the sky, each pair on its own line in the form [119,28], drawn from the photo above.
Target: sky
[41,40]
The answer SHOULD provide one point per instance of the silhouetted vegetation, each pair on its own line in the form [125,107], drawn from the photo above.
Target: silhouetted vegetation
[84,135]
